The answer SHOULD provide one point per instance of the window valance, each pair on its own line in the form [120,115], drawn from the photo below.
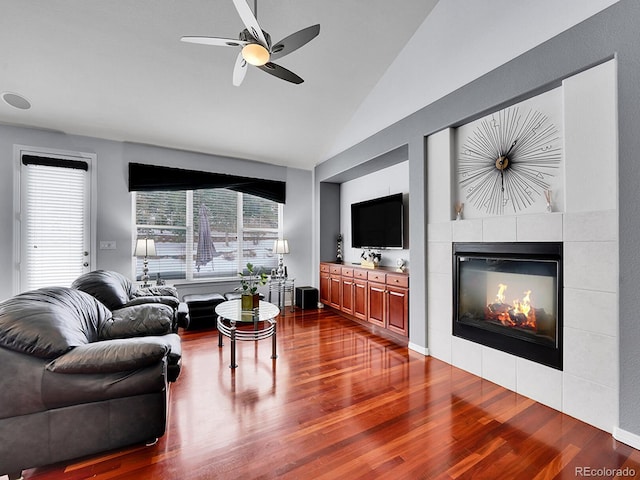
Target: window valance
[148,178]
[55,162]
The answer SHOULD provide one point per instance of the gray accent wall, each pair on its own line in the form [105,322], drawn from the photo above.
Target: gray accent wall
[611,33]
[113,208]
[329,220]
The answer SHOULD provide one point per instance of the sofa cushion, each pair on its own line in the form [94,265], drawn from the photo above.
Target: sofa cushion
[157,291]
[138,320]
[50,321]
[110,356]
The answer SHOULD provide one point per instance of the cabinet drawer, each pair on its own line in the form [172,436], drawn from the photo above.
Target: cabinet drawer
[335,269]
[376,277]
[347,272]
[324,268]
[398,280]
[358,273]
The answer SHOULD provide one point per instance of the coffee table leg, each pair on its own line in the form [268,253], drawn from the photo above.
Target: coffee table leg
[273,342]
[292,299]
[233,347]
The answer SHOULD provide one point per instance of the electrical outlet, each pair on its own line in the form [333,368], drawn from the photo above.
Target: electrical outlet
[107,244]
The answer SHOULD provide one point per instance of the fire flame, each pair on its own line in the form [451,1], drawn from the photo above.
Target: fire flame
[501,296]
[520,314]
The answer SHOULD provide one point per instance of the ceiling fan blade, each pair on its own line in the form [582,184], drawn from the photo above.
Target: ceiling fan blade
[239,70]
[281,72]
[249,20]
[218,42]
[294,41]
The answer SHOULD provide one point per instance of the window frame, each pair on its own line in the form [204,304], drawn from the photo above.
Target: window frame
[190,268]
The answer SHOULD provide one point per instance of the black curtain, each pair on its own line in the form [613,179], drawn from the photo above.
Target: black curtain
[146,178]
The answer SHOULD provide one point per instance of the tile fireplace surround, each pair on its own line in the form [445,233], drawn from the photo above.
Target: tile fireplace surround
[587,388]
[586,221]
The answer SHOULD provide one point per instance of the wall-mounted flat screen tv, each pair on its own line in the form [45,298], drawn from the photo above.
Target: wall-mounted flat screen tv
[378,223]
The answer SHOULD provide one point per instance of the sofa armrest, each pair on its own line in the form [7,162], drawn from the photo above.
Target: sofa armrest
[138,320]
[182,315]
[111,356]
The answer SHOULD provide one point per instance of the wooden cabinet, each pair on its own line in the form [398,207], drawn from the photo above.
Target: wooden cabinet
[346,290]
[335,299]
[330,280]
[377,303]
[398,303]
[398,310]
[324,283]
[379,297]
[360,299]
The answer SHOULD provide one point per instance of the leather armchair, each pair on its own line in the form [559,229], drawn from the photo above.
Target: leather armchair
[75,381]
[116,291]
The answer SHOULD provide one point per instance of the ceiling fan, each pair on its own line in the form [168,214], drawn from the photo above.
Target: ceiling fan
[256,46]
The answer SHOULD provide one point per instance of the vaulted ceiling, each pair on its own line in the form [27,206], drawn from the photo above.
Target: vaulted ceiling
[117,70]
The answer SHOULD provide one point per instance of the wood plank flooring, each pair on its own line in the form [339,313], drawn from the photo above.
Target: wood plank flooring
[341,403]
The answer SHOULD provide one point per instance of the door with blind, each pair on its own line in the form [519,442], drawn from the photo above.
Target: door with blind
[54,215]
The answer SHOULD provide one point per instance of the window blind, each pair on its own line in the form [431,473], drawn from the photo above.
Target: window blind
[53,224]
[207,233]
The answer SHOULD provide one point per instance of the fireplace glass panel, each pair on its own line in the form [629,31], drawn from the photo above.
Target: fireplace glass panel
[517,298]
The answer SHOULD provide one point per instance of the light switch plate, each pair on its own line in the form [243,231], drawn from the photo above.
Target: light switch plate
[107,244]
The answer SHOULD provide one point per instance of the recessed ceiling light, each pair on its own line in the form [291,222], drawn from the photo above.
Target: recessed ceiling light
[16,101]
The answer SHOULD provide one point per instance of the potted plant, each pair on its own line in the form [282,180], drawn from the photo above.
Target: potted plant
[249,283]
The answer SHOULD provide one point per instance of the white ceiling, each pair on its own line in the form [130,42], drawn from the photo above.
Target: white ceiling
[117,70]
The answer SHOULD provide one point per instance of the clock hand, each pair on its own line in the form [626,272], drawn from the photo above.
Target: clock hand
[503,162]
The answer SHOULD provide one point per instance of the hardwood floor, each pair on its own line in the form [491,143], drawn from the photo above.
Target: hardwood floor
[341,403]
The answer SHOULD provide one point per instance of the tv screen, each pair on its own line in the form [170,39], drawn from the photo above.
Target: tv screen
[378,223]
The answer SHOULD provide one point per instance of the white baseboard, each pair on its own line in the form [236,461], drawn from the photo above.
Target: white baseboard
[419,348]
[628,438]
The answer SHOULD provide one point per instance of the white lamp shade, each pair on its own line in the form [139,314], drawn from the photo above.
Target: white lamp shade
[145,247]
[280,246]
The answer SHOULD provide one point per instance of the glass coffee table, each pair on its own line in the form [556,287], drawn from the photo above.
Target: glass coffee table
[240,325]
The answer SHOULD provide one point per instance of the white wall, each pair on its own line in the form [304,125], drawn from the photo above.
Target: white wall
[458,42]
[381,183]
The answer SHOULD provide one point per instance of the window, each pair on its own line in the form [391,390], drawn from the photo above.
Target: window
[206,234]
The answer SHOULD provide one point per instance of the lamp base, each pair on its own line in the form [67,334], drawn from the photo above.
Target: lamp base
[145,274]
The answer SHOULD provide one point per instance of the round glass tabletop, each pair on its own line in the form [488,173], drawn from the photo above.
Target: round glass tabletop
[232,310]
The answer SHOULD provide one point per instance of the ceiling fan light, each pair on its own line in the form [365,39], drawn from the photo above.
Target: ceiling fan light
[255,54]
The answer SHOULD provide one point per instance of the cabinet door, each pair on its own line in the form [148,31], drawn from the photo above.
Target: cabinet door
[376,306]
[360,299]
[347,295]
[334,291]
[324,288]
[398,310]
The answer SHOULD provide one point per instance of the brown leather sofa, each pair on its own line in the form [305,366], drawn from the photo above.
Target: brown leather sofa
[79,379]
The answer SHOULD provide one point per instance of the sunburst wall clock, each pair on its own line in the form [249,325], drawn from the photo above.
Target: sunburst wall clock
[508,160]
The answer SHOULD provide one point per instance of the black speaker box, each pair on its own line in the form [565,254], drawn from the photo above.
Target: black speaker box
[306,297]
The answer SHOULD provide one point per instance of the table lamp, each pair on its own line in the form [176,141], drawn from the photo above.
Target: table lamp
[280,247]
[145,247]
